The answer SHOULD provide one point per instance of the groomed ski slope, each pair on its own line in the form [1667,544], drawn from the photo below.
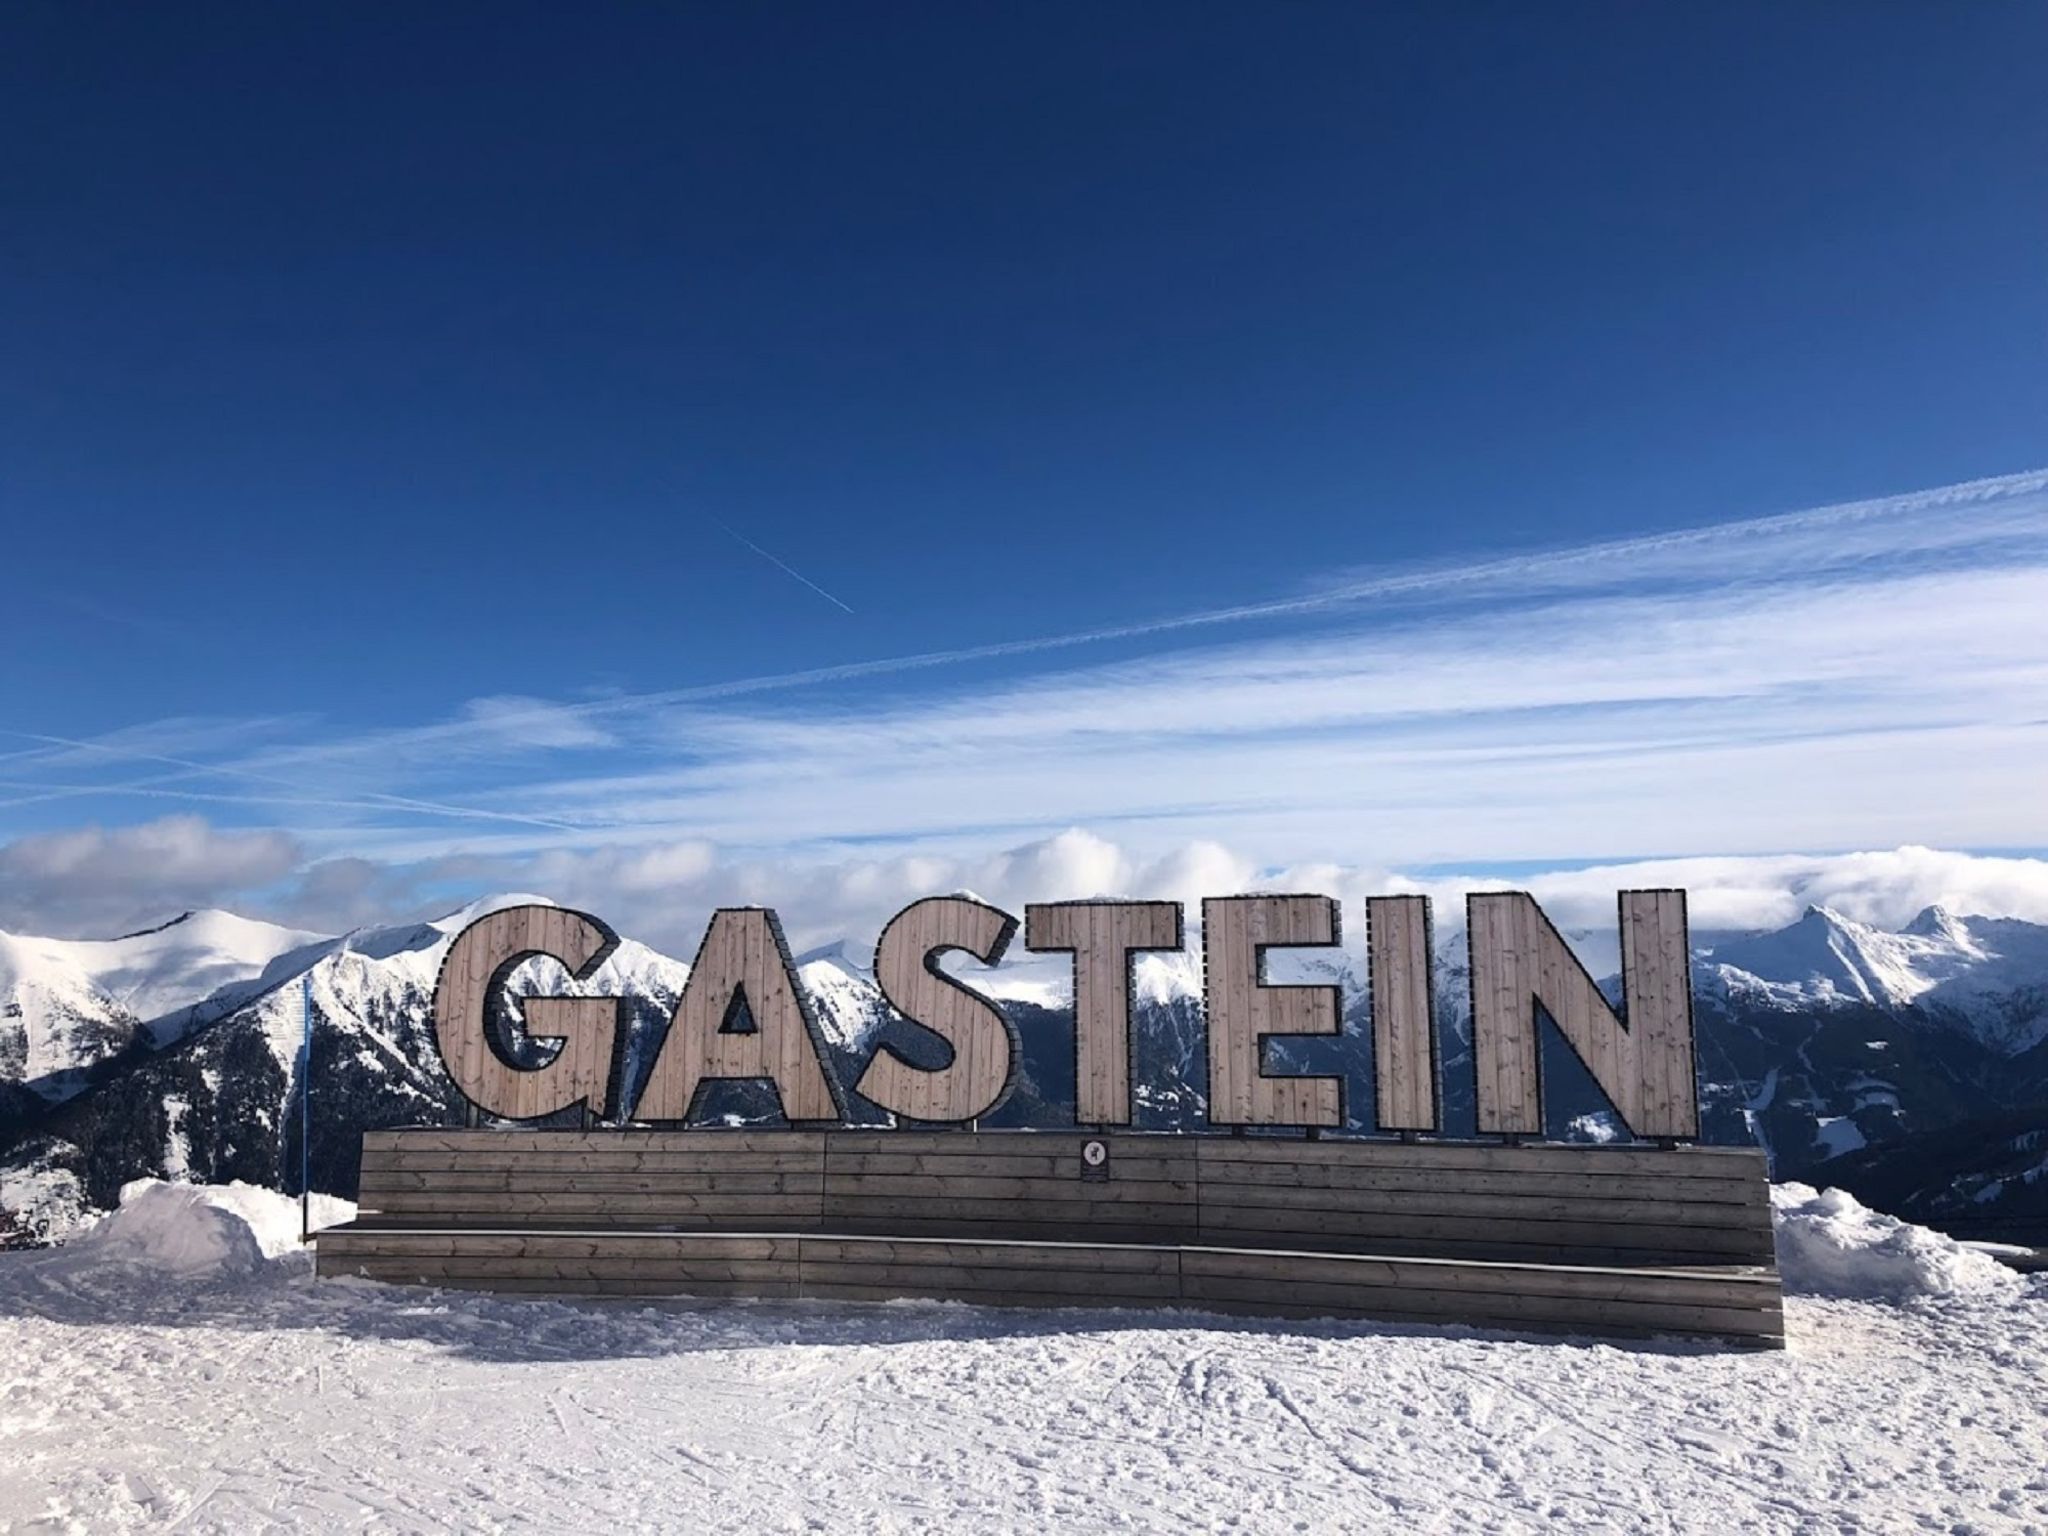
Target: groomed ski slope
[178,1368]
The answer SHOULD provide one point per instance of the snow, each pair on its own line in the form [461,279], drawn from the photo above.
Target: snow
[1830,1244]
[1600,1127]
[195,1231]
[79,1001]
[1838,1135]
[47,1202]
[244,1396]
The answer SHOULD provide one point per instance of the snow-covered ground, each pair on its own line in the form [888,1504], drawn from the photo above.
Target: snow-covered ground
[179,1368]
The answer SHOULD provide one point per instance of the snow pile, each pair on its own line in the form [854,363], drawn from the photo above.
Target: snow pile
[201,1231]
[1831,1244]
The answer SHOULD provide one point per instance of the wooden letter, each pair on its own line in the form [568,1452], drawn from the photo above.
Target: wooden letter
[1102,936]
[471,982]
[1398,958]
[1244,1009]
[743,966]
[978,1078]
[1644,1067]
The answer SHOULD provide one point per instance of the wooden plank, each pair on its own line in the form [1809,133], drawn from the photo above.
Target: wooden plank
[458,1185]
[1724,1303]
[711,1247]
[1104,937]
[1078,1212]
[751,1290]
[1222,1176]
[1243,1009]
[1499,1309]
[1485,1207]
[707,1142]
[980,1074]
[1102,1192]
[744,957]
[1013,1229]
[1241,1223]
[952,1282]
[1666,1163]
[1519,960]
[1731,1288]
[1360,1229]
[821,1290]
[1401,982]
[640,1268]
[696,1139]
[645,1206]
[1121,1168]
[1090,1257]
[465,1001]
[843,1146]
[597,1160]
[1663,1033]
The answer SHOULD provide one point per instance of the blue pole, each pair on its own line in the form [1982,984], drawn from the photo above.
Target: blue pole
[306,1107]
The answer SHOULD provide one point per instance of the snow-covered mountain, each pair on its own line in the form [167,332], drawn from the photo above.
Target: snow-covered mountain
[1985,976]
[176,1052]
[67,1005]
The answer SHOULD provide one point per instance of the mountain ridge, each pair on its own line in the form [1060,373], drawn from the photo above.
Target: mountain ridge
[1823,1040]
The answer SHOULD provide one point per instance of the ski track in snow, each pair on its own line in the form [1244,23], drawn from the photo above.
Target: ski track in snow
[278,1403]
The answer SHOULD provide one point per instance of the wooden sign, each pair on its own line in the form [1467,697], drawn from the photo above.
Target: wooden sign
[743,1014]
[1501,1233]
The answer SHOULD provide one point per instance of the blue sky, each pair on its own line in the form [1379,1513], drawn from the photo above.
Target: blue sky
[413,427]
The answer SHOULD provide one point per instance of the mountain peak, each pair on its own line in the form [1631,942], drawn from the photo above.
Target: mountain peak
[1821,915]
[1937,922]
[484,906]
[839,954]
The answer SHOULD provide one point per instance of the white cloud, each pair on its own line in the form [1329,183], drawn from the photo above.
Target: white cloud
[96,883]
[1859,676]
[520,721]
[100,881]
[1902,709]
[852,898]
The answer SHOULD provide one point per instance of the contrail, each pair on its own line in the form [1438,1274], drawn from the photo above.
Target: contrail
[369,801]
[1405,583]
[781,565]
[1433,579]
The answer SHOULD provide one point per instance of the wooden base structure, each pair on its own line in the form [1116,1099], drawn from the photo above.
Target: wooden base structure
[1579,1239]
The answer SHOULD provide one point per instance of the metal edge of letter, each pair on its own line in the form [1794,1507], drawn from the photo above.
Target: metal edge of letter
[612,1107]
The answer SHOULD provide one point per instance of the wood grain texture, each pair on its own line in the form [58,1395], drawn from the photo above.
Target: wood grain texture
[1407,1082]
[1632,1206]
[1104,937]
[1519,963]
[983,1042]
[1723,1300]
[1244,1010]
[743,963]
[468,1014]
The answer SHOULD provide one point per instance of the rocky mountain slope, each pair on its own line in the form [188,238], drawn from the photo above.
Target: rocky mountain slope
[1910,1064]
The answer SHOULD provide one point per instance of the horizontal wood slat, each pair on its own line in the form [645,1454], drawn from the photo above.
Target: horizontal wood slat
[1738,1304]
[1663,1162]
[1596,1239]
